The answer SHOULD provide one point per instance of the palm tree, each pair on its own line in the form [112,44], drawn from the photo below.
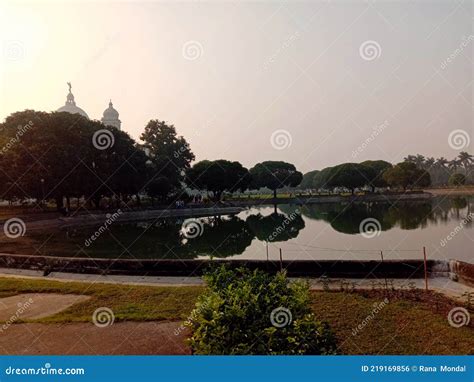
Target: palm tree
[465,159]
[429,163]
[420,161]
[442,162]
[454,165]
[410,158]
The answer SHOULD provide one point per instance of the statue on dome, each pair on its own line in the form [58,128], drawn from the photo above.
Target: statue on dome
[70,86]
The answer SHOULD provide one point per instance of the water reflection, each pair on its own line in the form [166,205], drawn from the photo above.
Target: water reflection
[232,235]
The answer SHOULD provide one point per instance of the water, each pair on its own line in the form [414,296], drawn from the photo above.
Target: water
[319,231]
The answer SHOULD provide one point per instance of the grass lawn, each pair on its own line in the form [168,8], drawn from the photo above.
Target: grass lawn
[410,323]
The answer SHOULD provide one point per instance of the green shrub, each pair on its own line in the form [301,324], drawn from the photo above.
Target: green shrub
[252,312]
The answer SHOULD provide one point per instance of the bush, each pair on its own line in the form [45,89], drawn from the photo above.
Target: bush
[252,312]
[457,180]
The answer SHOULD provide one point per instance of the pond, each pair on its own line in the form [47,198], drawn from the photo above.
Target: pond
[319,231]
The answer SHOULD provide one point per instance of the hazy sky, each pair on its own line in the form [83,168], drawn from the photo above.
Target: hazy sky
[231,75]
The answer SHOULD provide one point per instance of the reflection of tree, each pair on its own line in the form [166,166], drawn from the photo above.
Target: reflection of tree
[161,239]
[410,215]
[221,237]
[276,227]
[346,218]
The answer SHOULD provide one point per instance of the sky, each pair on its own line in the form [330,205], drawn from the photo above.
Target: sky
[312,83]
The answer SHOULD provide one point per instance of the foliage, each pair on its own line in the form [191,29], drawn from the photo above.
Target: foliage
[170,154]
[307,181]
[378,167]
[56,158]
[350,175]
[405,175]
[234,316]
[457,180]
[441,169]
[275,175]
[276,227]
[218,176]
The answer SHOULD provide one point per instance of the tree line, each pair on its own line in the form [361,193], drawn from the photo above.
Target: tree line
[60,156]
[372,174]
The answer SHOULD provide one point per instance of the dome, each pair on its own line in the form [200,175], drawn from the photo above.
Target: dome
[73,109]
[111,117]
[70,105]
[110,112]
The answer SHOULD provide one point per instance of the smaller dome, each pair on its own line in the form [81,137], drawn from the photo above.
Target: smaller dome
[111,117]
[110,113]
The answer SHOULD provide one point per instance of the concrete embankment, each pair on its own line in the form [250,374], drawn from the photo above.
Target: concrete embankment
[189,268]
[121,216]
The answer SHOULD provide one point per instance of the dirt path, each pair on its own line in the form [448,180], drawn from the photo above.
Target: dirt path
[141,338]
[36,305]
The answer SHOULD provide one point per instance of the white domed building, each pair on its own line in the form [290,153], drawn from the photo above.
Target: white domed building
[111,117]
[70,105]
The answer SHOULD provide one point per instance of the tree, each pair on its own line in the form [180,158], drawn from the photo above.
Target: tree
[160,188]
[320,180]
[275,175]
[170,154]
[218,176]
[407,174]
[307,181]
[466,160]
[457,180]
[378,167]
[351,176]
[57,158]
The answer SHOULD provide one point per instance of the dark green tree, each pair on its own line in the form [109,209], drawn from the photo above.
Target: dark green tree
[170,154]
[218,176]
[275,175]
[378,167]
[307,181]
[350,175]
[407,175]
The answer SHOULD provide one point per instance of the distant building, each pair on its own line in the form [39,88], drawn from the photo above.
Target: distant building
[110,116]
[70,105]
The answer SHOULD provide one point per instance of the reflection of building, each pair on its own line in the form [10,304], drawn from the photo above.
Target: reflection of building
[110,115]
